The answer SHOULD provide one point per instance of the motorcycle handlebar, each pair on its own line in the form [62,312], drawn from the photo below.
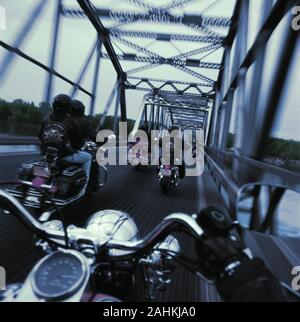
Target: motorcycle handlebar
[12,205]
[173,223]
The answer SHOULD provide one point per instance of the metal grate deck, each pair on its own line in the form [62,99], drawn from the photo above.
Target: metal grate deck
[137,193]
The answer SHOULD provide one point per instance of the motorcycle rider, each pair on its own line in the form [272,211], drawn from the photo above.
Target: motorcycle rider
[88,132]
[63,133]
[178,136]
[78,114]
[222,256]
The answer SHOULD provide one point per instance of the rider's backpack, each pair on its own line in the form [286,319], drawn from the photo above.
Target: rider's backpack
[55,135]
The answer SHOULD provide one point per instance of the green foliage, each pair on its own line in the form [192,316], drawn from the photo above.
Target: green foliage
[283,149]
[23,118]
[20,112]
[5,110]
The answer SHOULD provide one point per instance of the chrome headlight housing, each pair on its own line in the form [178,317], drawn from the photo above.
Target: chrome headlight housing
[114,225]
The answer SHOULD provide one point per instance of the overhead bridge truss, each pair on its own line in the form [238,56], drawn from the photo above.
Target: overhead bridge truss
[209,41]
[112,34]
[189,112]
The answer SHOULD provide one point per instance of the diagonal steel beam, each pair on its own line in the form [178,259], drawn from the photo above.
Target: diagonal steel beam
[175,60]
[165,17]
[138,48]
[141,69]
[164,36]
[8,58]
[43,66]
[156,16]
[84,67]
[211,48]
[151,60]
[108,105]
[103,34]
[53,51]
[196,75]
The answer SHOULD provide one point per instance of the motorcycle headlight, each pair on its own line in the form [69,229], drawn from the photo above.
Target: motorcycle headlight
[117,225]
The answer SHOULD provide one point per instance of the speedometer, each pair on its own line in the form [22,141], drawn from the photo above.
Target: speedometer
[59,276]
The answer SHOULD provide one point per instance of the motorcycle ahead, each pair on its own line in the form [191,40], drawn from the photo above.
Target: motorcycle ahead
[169,171]
[63,182]
[168,177]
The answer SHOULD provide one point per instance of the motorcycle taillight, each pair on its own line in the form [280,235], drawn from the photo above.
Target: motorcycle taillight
[37,182]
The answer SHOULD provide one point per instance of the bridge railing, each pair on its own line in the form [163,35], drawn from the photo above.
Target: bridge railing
[11,146]
[19,141]
[223,165]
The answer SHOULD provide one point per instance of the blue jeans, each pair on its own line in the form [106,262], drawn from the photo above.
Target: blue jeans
[83,158]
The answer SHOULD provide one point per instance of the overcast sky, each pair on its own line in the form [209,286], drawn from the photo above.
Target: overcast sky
[77,35]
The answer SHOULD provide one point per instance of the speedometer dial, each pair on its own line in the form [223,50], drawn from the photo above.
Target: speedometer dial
[59,276]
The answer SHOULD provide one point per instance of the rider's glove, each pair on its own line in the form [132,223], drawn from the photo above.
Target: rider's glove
[224,258]
[220,249]
[251,281]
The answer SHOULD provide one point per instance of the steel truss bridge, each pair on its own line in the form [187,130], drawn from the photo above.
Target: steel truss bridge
[214,83]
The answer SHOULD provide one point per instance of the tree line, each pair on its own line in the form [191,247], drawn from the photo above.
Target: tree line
[29,117]
[285,150]
[20,111]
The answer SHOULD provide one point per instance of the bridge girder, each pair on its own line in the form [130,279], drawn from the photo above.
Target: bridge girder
[165,37]
[166,61]
[156,16]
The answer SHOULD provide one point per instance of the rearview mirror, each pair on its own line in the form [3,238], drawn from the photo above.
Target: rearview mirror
[269,209]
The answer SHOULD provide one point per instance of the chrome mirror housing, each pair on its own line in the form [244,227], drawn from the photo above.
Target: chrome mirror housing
[270,210]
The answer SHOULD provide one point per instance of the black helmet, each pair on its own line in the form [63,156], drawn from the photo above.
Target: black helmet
[62,103]
[77,108]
